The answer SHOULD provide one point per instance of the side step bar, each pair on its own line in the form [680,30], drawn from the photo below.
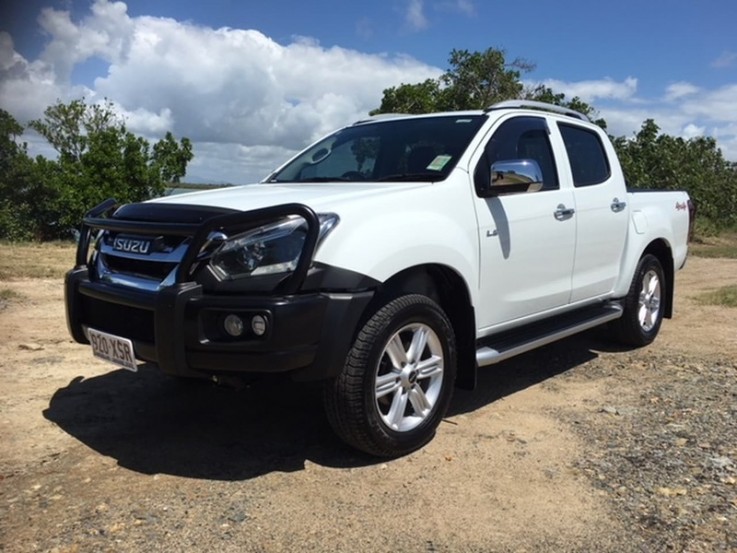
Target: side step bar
[504,345]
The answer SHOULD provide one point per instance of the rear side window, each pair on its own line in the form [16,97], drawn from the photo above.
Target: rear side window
[586,155]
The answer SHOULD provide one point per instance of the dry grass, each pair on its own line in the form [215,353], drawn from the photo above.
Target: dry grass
[8,296]
[36,260]
[725,296]
[724,245]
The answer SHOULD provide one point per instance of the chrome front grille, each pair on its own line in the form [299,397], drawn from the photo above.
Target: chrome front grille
[146,271]
[161,244]
[142,268]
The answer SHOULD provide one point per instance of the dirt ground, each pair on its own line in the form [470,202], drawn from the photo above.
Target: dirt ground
[580,446]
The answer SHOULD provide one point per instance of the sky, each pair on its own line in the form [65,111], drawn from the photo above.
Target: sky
[251,82]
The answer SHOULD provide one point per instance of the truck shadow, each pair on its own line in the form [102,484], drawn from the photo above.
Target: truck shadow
[151,423]
[516,374]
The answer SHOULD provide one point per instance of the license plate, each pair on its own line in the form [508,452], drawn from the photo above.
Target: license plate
[112,348]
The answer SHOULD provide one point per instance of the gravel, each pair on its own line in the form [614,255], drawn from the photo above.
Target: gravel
[665,450]
[578,446]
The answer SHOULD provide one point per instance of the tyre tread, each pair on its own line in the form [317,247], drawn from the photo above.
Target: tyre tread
[627,329]
[344,396]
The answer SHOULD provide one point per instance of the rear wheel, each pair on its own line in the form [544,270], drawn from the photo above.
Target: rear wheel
[397,381]
[644,304]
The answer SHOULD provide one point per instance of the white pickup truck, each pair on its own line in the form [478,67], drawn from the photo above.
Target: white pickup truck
[390,259]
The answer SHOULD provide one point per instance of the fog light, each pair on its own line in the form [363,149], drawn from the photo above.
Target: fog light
[233,325]
[258,325]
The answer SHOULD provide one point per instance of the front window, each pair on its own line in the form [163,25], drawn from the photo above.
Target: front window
[417,149]
[516,139]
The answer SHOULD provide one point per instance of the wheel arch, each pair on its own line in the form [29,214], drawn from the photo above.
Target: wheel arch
[450,291]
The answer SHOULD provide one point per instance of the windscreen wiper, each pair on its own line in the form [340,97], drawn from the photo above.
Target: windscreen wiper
[425,176]
[310,179]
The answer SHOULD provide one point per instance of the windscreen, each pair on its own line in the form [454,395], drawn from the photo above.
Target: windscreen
[417,149]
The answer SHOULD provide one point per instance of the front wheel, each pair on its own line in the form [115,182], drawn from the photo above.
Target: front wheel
[643,305]
[397,381]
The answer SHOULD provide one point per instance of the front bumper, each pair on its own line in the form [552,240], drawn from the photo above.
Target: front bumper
[179,327]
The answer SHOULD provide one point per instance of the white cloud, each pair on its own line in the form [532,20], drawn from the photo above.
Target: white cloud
[248,102]
[364,28]
[624,122]
[726,136]
[592,90]
[415,15]
[27,88]
[692,131]
[628,121]
[702,113]
[680,90]
[713,105]
[466,7]
[216,163]
[104,33]
[684,109]
[725,60]
[716,111]
[463,7]
[229,85]
[228,88]
[10,60]
[146,122]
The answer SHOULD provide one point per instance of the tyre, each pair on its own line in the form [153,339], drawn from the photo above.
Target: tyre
[643,305]
[397,381]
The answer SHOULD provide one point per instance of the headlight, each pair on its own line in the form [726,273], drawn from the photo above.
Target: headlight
[266,250]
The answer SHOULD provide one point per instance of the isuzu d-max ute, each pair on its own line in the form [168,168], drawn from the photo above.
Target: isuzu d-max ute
[391,259]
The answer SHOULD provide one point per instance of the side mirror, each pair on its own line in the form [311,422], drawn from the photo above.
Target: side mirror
[514,175]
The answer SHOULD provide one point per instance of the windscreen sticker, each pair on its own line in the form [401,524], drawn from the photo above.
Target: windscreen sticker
[463,120]
[438,163]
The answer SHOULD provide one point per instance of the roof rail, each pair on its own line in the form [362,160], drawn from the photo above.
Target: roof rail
[532,104]
[380,116]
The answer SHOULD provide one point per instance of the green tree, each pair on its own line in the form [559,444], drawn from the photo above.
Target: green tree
[411,98]
[70,127]
[22,194]
[99,158]
[172,157]
[475,80]
[660,161]
[542,93]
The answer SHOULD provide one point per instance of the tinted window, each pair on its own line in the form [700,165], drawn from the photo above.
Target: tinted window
[520,138]
[355,156]
[417,149]
[589,164]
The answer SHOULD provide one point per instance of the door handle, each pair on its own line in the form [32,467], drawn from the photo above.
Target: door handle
[562,212]
[618,206]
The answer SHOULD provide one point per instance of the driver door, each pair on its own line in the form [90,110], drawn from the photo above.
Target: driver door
[526,240]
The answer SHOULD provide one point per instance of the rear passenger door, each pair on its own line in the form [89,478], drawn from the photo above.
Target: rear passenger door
[601,211]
